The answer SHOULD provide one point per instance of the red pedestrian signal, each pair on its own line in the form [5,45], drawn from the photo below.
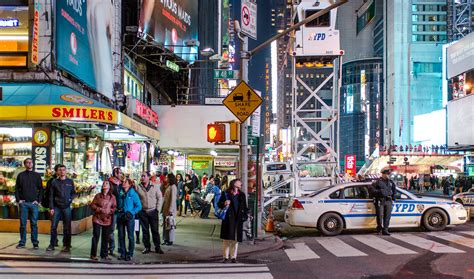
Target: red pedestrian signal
[216,133]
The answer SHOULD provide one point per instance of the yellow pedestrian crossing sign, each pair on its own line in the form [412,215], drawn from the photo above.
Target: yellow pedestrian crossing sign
[242,101]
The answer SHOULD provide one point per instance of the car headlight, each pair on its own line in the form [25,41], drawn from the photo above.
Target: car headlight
[456,206]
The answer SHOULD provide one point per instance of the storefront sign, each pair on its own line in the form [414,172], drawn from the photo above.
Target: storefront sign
[200,158]
[10,22]
[41,151]
[146,113]
[200,165]
[351,167]
[88,114]
[224,163]
[35,37]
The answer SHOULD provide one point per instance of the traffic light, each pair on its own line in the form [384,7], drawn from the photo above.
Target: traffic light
[234,131]
[215,132]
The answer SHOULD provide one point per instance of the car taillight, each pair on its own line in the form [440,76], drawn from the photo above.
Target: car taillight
[296,204]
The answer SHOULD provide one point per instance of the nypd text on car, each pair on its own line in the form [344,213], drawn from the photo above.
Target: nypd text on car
[466,199]
[349,206]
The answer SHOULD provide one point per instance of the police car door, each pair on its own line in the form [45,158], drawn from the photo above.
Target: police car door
[405,211]
[358,209]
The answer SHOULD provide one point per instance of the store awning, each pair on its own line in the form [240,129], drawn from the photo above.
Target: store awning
[53,103]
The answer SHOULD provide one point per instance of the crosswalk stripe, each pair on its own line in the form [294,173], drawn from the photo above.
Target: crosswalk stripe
[467,232]
[382,245]
[426,244]
[454,238]
[148,276]
[300,252]
[339,248]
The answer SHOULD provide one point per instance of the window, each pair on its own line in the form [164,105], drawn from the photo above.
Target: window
[335,195]
[399,194]
[14,38]
[366,17]
[322,21]
[427,68]
[356,192]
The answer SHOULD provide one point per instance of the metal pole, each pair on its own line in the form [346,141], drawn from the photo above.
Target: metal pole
[244,126]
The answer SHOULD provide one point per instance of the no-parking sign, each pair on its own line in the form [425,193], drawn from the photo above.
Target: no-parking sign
[248,15]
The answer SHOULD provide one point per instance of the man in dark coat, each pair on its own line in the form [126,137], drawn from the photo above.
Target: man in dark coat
[384,192]
[233,224]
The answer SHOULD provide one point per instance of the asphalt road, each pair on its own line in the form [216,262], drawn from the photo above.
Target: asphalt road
[410,253]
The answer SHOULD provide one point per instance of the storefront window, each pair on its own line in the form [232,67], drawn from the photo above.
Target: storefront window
[14,40]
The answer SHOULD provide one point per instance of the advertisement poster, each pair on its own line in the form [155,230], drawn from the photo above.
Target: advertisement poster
[351,167]
[83,42]
[171,23]
[41,141]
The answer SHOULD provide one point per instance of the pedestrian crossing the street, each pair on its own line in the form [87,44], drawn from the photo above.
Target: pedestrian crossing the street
[17,270]
[372,245]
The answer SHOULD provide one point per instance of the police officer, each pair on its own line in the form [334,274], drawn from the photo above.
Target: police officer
[384,195]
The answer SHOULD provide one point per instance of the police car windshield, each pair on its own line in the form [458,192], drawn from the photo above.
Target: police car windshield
[320,191]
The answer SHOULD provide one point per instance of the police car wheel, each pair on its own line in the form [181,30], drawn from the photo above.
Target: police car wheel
[330,224]
[435,220]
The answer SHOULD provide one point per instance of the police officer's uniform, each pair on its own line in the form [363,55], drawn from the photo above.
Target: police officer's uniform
[384,196]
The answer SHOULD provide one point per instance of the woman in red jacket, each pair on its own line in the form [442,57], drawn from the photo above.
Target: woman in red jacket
[103,206]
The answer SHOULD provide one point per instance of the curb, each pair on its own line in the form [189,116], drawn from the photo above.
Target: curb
[13,257]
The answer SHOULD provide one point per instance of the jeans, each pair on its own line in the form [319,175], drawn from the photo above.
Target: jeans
[96,235]
[31,209]
[66,214]
[149,221]
[187,204]
[112,229]
[128,227]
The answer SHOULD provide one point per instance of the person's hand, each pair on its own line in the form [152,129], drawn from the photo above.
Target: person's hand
[51,211]
[227,203]
[21,201]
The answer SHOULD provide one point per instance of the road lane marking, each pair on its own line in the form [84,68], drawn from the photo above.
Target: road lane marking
[471,233]
[382,245]
[339,248]
[454,238]
[300,252]
[426,244]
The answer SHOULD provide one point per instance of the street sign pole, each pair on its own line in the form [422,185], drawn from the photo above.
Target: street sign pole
[244,125]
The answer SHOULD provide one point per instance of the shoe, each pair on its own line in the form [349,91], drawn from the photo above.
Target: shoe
[128,258]
[94,258]
[170,243]
[122,258]
[106,258]
[111,253]
[20,246]
[225,260]
[35,246]
[146,251]
[50,248]
[159,251]
[137,242]
[66,249]
[233,260]
[56,244]
[385,232]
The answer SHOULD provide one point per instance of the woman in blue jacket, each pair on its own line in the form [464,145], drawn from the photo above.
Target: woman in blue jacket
[128,206]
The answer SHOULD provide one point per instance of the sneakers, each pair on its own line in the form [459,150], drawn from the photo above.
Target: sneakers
[385,232]
[20,246]
[225,260]
[35,246]
[233,260]
[50,248]
[128,258]
[146,251]
[159,251]
[106,258]
[66,249]
[94,258]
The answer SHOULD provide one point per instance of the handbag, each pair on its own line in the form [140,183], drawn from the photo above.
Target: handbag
[222,212]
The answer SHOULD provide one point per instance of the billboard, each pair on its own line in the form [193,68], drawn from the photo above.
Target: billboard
[460,56]
[171,23]
[83,42]
[351,166]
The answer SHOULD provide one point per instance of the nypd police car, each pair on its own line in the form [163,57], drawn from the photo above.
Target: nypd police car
[349,206]
[466,199]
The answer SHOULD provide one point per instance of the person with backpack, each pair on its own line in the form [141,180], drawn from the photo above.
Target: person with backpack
[28,193]
[233,204]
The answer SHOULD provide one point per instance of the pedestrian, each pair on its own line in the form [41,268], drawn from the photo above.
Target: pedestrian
[28,193]
[103,205]
[128,205]
[204,180]
[199,204]
[233,224]
[445,185]
[194,179]
[60,198]
[210,184]
[152,200]
[225,183]
[169,210]
[180,194]
[188,189]
[384,191]
[216,191]
[116,181]
[46,192]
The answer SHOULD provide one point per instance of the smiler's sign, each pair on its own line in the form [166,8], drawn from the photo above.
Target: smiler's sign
[41,151]
[146,113]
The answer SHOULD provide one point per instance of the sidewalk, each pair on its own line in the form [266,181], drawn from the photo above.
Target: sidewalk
[197,240]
